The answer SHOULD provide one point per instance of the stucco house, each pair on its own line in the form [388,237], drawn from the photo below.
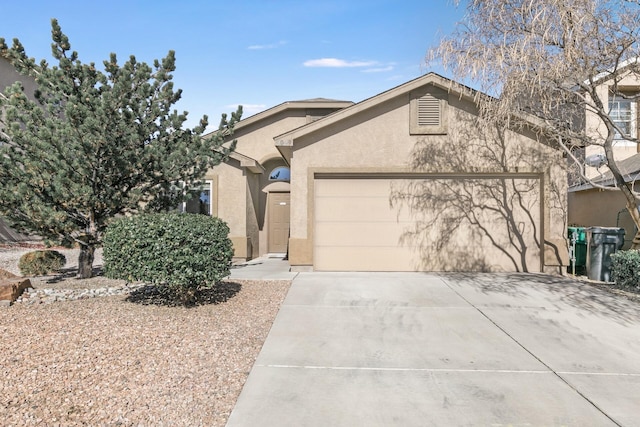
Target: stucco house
[407,180]
[591,205]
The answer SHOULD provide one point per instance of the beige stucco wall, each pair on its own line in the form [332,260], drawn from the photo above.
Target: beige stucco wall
[373,141]
[240,199]
[595,207]
[377,140]
[8,76]
[230,193]
[256,139]
[600,208]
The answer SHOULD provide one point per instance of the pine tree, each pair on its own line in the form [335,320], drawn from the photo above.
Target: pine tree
[91,145]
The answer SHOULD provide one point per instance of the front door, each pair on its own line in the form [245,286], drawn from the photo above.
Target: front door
[278,222]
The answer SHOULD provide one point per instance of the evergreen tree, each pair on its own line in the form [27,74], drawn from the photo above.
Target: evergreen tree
[90,145]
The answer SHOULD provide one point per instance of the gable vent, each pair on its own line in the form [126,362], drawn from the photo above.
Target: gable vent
[428,111]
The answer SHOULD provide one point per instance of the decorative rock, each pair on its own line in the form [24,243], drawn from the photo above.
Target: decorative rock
[11,289]
[48,296]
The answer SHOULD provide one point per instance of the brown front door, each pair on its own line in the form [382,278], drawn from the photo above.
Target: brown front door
[278,222]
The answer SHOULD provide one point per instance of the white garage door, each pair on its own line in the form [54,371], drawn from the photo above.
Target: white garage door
[429,223]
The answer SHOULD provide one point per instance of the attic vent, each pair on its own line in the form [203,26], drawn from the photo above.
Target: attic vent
[428,111]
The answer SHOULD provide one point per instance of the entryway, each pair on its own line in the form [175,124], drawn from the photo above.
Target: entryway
[278,222]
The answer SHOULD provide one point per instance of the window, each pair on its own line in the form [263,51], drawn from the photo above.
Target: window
[623,113]
[200,204]
[281,173]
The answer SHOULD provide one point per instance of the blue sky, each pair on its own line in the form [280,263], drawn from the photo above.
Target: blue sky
[258,53]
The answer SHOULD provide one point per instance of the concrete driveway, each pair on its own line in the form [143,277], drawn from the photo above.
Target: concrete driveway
[416,349]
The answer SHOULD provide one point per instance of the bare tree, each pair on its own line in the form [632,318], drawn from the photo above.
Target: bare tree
[561,61]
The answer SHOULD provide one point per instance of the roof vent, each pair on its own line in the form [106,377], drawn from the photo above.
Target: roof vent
[428,111]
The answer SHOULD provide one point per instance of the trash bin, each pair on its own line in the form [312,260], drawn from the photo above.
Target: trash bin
[601,243]
[577,250]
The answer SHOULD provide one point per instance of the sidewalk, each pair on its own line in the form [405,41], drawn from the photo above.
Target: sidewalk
[268,267]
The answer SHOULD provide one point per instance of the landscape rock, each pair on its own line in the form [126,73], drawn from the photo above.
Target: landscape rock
[11,289]
[47,296]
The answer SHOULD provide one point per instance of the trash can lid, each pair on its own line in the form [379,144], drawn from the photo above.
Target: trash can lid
[605,230]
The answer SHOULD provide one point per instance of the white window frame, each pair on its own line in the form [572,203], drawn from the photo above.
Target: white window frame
[183,206]
[284,179]
[630,117]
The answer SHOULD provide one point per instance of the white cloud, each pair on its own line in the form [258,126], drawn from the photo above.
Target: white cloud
[379,69]
[337,63]
[267,46]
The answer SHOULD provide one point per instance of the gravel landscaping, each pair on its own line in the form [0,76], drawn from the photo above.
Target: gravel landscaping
[126,359]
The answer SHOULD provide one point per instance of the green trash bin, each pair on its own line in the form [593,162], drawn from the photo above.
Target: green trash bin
[577,250]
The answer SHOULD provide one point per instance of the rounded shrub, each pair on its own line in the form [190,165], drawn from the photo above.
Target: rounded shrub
[38,263]
[625,269]
[182,253]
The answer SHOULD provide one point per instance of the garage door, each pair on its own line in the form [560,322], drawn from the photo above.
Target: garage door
[427,223]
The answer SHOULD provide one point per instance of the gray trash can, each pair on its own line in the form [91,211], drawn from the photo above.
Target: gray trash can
[601,243]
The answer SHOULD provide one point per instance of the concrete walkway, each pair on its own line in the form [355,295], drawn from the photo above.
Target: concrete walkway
[414,349]
[273,267]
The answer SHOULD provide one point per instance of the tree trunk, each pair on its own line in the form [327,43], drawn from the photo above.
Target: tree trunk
[85,261]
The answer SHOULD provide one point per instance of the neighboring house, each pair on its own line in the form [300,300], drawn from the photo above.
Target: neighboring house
[8,76]
[593,206]
[407,180]
[623,111]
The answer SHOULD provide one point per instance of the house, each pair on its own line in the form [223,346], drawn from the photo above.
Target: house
[407,180]
[589,204]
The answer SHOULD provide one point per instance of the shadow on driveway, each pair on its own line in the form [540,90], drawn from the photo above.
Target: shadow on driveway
[520,288]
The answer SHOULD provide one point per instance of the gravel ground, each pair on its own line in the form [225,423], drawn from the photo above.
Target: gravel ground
[111,362]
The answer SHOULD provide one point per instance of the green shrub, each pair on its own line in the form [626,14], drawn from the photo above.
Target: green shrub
[625,269]
[38,263]
[182,253]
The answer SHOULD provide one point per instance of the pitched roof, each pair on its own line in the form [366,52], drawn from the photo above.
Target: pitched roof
[630,168]
[430,78]
[291,105]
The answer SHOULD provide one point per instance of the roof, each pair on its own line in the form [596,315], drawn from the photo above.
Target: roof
[437,80]
[630,167]
[619,68]
[291,105]
[318,100]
